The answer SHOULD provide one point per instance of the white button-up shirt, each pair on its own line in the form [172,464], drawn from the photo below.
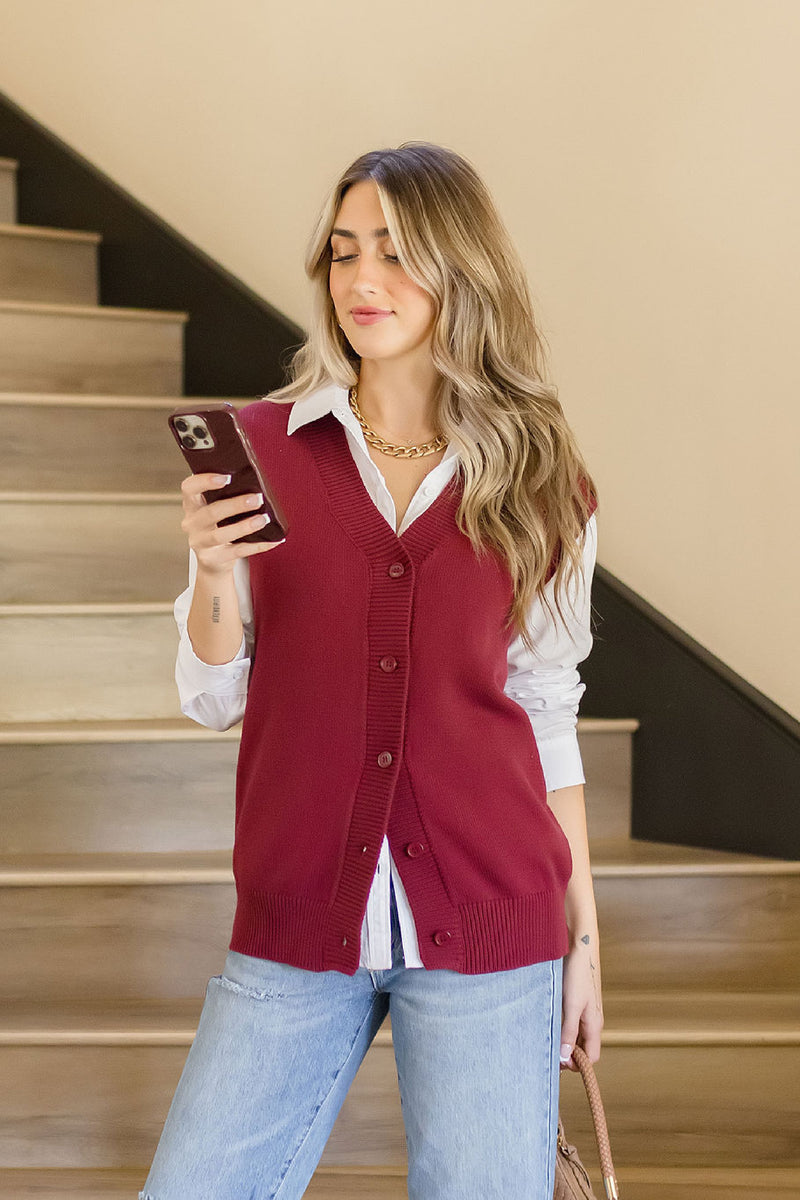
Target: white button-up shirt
[547,685]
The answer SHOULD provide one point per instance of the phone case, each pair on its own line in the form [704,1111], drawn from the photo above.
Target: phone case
[231,454]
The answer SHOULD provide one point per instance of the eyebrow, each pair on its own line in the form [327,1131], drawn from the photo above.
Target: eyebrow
[348,233]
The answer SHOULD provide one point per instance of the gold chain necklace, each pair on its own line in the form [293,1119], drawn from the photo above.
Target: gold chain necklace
[385,447]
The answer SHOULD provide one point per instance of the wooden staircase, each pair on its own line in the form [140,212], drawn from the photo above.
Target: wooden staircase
[116,815]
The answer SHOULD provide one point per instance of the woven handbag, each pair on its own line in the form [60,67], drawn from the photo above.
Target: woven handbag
[572,1181]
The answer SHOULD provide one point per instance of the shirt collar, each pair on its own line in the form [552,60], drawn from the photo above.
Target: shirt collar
[328,399]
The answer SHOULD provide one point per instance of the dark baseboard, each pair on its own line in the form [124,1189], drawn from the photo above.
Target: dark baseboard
[236,343]
[715,762]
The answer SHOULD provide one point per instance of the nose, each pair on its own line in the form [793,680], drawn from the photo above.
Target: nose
[365,282]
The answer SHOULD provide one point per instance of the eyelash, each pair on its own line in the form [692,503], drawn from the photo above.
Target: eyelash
[392,258]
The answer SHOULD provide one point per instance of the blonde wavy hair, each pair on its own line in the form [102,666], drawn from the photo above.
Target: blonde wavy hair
[527,493]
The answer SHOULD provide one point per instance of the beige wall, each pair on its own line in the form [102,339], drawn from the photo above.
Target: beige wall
[645,157]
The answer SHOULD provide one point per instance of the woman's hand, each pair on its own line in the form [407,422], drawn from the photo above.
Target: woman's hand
[214,624]
[582,1002]
[214,545]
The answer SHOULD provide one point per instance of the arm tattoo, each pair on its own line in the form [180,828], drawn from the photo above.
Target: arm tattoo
[215,606]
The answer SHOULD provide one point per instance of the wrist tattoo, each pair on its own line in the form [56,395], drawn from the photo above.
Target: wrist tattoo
[215,607]
[586,939]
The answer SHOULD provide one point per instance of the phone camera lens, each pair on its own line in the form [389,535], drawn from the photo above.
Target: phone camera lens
[188,441]
[181,425]
[199,432]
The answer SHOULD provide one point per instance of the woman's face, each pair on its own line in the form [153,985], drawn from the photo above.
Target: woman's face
[383,313]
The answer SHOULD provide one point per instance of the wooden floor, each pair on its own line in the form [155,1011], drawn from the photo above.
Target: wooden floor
[635,1184]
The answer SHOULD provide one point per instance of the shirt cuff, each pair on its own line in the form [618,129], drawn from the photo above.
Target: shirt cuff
[561,761]
[196,676]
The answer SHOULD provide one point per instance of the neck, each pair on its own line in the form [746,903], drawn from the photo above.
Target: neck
[399,404]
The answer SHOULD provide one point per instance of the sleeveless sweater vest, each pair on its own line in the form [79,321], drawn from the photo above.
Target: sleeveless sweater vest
[376,707]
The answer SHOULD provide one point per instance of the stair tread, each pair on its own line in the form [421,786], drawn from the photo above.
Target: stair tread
[34,307]
[165,729]
[632,1019]
[341,1183]
[135,608]
[336,1183]
[179,728]
[617,856]
[48,233]
[629,855]
[81,497]
[43,870]
[90,400]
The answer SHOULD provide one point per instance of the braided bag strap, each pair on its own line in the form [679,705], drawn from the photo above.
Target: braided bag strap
[581,1060]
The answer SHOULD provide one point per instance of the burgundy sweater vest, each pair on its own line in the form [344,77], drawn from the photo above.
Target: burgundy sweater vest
[376,706]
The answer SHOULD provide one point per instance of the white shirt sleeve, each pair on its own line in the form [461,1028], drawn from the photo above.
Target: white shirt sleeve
[214,695]
[547,684]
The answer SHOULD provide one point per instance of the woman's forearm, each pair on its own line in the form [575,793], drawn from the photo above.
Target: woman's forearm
[214,624]
[567,805]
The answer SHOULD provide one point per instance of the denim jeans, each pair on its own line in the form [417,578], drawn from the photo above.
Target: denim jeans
[278,1047]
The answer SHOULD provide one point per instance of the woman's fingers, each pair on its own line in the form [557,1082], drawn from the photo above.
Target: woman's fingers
[193,487]
[584,1030]
[569,1036]
[216,545]
[582,1019]
[589,1038]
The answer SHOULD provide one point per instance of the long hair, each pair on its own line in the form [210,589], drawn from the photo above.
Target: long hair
[527,493]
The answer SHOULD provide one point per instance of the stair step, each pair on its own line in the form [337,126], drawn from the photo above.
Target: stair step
[51,265]
[75,348]
[698,918]
[74,549]
[88,661]
[328,1183]
[89,1086]
[8,190]
[640,1183]
[57,779]
[606,751]
[51,443]
[716,1183]
[156,925]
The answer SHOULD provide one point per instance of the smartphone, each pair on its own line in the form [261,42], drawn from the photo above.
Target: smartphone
[211,438]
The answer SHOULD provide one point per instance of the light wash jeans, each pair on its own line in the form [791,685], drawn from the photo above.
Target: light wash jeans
[278,1047]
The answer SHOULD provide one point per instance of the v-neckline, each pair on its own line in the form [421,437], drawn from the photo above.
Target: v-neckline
[355,509]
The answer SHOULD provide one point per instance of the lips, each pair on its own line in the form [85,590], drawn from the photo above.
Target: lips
[369,316]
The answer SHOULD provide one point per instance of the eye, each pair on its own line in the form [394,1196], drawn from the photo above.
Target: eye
[392,258]
[343,258]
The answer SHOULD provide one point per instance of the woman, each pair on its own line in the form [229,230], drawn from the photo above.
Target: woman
[410,830]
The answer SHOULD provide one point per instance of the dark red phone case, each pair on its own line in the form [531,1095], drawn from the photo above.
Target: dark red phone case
[231,455]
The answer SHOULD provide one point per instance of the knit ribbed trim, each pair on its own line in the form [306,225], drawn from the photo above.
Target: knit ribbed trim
[499,935]
[283,928]
[354,509]
[502,934]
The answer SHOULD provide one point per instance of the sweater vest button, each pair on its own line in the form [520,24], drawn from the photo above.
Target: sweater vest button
[388,664]
[396,570]
[442,937]
[384,759]
[414,849]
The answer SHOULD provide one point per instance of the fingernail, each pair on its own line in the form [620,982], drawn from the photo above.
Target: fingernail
[566,1051]
[222,479]
[255,501]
